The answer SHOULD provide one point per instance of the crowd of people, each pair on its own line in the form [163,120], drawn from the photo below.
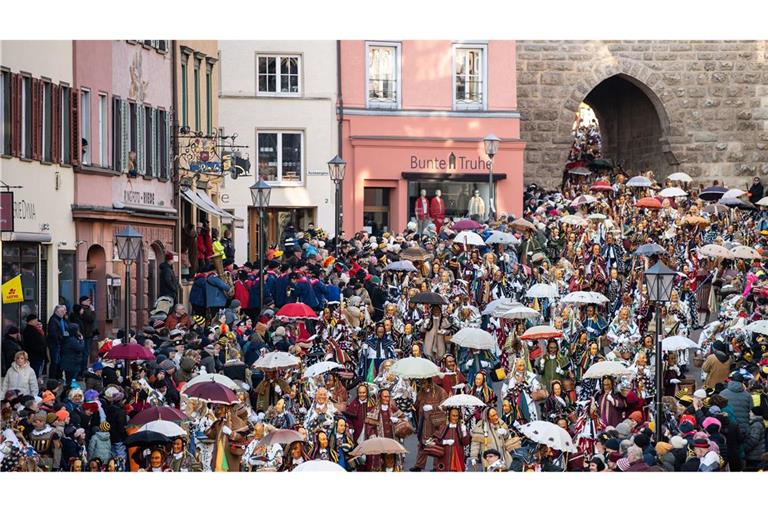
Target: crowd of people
[345,343]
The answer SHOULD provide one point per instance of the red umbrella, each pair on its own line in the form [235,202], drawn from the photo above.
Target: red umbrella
[130,352]
[212,392]
[296,310]
[541,332]
[602,186]
[465,224]
[157,413]
[649,202]
[282,436]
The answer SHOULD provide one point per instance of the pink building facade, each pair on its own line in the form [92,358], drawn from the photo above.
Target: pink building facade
[413,116]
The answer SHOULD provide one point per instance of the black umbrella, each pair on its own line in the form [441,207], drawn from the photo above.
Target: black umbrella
[601,164]
[429,298]
[712,193]
[649,250]
[735,202]
[146,437]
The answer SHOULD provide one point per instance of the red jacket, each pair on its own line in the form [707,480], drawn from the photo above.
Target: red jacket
[422,208]
[204,246]
[437,208]
[241,293]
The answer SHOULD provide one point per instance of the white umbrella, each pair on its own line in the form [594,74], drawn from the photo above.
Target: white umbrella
[500,237]
[542,291]
[167,428]
[549,434]
[679,176]
[321,368]
[462,401]
[639,182]
[584,298]
[415,368]
[758,327]
[673,192]
[575,220]
[674,343]
[468,238]
[517,312]
[402,265]
[603,368]
[213,377]
[733,193]
[275,360]
[742,252]
[324,466]
[472,337]
[583,199]
[498,304]
[715,251]
[763,202]
[597,216]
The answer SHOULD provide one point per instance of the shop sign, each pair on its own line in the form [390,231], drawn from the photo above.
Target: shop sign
[317,173]
[6,211]
[12,291]
[137,193]
[451,162]
[203,166]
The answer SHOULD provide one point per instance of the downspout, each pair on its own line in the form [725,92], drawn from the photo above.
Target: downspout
[340,130]
[176,177]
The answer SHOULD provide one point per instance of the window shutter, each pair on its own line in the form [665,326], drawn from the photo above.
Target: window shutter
[37,122]
[55,124]
[167,164]
[15,114]
[125,127]
[74,130]
[141,142]
[153,143]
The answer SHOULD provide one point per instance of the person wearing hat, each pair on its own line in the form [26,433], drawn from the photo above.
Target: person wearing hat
[99,444]
[45,440]
[755,442]
[739,400]
[716,367]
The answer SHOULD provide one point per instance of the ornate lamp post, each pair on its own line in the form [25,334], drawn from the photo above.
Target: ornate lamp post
[128,249]
[336,169]
[260,194]
[491,143]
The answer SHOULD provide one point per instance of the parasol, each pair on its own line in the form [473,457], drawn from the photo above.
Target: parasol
[275,360]
[466,224]
[500,237]
[516,312]
[472,337]
[415,254]
[733,193]
[601,186]
[296,310]
[606,368]
[763,202]
[415,368]
[758,327]
[541,332]
[674,343]
[130,352]
[281,436]
[712,193]
[498,304]
[575,220]
[549,434]
[429,298]
[673,192]
[583,199]
[742,252]
[324,466]
[379,446]
[468,238]
[521,224]
[649,250]
[462,401]
[321,368]
[601,163]
[212,377]
[212,392]
[579,171]
[157,413]
[596,216]
[639,182]
[715,251]
[649,202]
[401,266]
[146,437]
[542,291]
[716,208]
[584,298]
[167,428]
[680,176]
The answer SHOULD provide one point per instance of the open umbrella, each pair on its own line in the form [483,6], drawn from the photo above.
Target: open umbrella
[716,208]
[167,428]
[758,327]
[579,171]
[378,446]
[712,193]
[583,199]
[468,238]
[673,192]
[275,360]
[500,237]
[715,251]
[763,202]
[130,352]
[575,220]
[472,337]
[639,182]
[464,224]
[649,202]
[680,176]
[549,434]
[323,466]
[542,291]
[281,436]
[733,193]
[401,266]
[321,368]
[743,252]
[212,392]
[212,377]
[649,250]
[584,298]
[429,298]
[462,401]
[146,437]
[596,216]
[601,186]
[157,413]
[606,368]
[415,254]
[296,310]
[674,343]
[541,332]
[503,303]
[522,224]
[694,220]
[517,312]
[415,368]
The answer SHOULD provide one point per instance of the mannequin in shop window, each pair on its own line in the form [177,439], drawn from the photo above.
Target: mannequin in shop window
[422,212]
[476,207]
[437,210]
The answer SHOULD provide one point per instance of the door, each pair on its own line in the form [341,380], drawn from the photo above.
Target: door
[376,210]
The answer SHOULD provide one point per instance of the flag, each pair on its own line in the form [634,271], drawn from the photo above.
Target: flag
[12,291]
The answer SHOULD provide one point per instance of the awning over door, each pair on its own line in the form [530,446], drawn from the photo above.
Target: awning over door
[204,202]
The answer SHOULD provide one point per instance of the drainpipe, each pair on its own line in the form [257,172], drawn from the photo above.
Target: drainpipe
[175,175]
[340,130]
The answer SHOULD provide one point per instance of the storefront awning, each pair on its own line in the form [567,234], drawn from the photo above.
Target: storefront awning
[446,176]
[204,202]
[17,236]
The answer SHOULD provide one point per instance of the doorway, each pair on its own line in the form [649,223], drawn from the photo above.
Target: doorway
[376,210]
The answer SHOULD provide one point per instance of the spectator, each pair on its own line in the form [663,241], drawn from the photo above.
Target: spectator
[756,190]
[20,376]
[168,282]
[11,345]
[57,331]
[33,341]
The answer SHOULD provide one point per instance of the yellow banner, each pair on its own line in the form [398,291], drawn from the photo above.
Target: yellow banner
[12,291]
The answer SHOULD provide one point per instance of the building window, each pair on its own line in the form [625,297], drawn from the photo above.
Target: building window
[197,94]
[47,122]
[103,131]
[66,278]
[26,117]
[85,125]
[117,135]
[278,75]
[469,73]
[133,120]
[184,93]
[66,127]
[209,99]
[383,75]
[162,136]
[280,157]
[5,113]
[149,139]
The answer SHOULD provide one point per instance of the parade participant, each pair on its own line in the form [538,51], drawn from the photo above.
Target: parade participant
[552,365]
[428,417]
[179,459]
[295,454]
[342,443]
[453,436]
[435,329]
[357,411]
[491,433]
[451,378]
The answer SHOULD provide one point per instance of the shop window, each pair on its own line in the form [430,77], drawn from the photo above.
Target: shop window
[456,196]
[376,210]
[278,75]
[67,279]
[468,77]
[281,157]
[383,81]
[22,259]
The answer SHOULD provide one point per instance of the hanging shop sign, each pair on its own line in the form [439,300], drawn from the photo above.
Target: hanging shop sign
[6,212]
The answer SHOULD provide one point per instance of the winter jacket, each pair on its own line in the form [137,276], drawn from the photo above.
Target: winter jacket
[204,245]
[281,291]
[197,293]
[740,401]
[9,348]
[305,293]
[72,354]
[332,293]
[754,444]
[241,293]
[23,379]
[34,343]
[57,330]
[186,369]
[215,291]
[174,322]
[118,420]
[717,366]
[168,284]
[100,446]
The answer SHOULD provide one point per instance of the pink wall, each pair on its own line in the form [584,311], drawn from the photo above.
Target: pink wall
[426,71]
[502,76]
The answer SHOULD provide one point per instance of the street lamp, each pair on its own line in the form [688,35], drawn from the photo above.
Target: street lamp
[491,143]
[336,169]
[128,249]
[659,279]
[260,194]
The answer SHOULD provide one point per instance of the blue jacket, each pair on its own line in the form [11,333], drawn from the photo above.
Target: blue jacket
[269,287]
[215,289]
[332,293]
[72,354]
[280,294]
[197,293]
[305,293]
[321,291]
[741,402]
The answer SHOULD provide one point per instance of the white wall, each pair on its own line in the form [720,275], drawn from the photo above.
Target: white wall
[241,111]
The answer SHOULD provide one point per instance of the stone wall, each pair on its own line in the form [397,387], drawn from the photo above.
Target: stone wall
[711,98]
